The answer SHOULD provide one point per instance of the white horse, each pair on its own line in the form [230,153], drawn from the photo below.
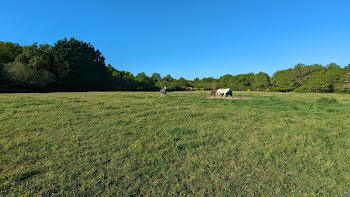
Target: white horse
[224,92]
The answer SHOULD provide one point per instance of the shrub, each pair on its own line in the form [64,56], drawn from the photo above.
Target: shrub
[23,77]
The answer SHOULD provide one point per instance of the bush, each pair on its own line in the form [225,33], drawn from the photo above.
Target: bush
[23,77]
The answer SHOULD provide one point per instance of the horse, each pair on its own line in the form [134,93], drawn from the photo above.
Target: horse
[229,93]
[224,92]
[163,92]
[213,91]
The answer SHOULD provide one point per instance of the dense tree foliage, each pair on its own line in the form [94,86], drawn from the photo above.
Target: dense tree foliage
[9,51]
[261,81]
[73,65]
[24,77]
[284,81]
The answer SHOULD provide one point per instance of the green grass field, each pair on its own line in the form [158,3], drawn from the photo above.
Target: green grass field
[136,143]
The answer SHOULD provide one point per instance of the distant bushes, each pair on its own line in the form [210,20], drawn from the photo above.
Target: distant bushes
[72,65]
[312,78]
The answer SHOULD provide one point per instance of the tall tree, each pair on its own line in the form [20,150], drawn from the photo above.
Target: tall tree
[168,78]
[78,66]
[36,56]
[9,51]
[225,80]
[261,81]
[156,77]
[284,81]
[301,72]
[317,83]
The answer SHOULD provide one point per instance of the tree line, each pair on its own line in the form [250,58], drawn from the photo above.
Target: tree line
[73,65]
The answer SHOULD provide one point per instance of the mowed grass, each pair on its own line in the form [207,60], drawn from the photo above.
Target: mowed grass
[137,143]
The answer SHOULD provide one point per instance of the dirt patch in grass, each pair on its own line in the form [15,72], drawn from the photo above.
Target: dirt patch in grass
[229,98]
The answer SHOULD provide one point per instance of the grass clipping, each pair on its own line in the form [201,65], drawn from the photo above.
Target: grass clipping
[229,98]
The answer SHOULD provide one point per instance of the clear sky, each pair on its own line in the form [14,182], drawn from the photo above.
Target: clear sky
[189,38]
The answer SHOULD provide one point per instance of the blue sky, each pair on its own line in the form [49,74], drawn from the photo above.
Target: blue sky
[190,38]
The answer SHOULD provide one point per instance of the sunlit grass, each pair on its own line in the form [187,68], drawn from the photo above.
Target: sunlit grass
[137,143]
